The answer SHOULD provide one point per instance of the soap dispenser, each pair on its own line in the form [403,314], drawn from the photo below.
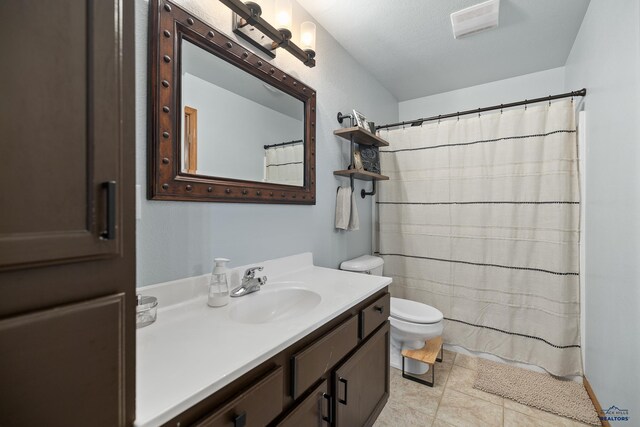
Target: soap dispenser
[218,285]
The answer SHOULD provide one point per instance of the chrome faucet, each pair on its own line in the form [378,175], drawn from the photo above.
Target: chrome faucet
[250,283]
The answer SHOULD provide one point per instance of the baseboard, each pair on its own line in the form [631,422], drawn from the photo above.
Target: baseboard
[594,399]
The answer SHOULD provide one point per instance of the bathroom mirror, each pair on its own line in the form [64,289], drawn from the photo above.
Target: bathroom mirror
[225,124]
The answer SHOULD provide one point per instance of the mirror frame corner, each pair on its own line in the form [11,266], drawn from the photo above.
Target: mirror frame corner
[170,24]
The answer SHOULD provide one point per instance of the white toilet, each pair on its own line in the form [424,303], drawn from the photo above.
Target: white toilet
[412,323]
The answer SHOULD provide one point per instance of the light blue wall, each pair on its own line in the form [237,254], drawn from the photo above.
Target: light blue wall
[605,59]
[528,86]
[180,239]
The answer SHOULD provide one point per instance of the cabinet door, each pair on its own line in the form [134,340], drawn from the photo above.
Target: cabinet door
[67,213]
[61,132]
[45,384]
[362,382]
[313,411]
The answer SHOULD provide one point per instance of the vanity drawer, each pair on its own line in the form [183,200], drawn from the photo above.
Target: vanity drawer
[257,406]
[308,365]
[314,410]
[374,315]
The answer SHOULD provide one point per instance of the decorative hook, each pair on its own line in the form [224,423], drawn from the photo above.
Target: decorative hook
[364,193]
[341,117]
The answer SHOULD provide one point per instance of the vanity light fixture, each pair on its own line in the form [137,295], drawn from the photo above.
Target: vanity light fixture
[250,25]
[308,38]
[284,17]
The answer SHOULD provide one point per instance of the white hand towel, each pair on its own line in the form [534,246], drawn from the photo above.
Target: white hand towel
[354,221]
[343,208]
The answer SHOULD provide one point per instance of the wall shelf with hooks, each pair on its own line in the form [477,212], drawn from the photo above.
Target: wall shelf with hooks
[357,135]
[363,175]
[361,136]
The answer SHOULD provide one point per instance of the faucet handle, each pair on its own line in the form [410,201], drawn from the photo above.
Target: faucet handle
[250,273]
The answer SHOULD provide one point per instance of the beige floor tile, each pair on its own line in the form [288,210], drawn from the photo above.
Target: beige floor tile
[518,419]
[448,356]
[409,394]
[469,362]
[396,414]
[444,365]
[442,371]
[541,416]
[440,423]
[462,410]
[462,379]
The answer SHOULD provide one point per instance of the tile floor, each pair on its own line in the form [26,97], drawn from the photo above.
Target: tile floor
[454,402]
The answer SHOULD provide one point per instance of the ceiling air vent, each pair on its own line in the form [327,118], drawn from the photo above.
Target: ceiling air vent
[476,18]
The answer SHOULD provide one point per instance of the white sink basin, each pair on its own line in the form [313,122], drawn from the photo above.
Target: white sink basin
[274,302]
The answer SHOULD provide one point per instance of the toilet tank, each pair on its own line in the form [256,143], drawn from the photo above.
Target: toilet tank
[367,264]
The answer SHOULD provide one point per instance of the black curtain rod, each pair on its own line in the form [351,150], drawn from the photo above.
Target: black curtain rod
[418,122]
[282,143]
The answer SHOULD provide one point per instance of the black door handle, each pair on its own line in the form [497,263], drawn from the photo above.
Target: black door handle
[379,308]
[110,232]
[329,417]
[343,381]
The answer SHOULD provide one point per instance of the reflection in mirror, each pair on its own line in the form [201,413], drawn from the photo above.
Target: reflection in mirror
[237,126]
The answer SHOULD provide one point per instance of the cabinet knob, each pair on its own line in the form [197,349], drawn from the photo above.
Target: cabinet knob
[240,420]
[379,308]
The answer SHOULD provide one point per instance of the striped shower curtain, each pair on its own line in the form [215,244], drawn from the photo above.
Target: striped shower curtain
[480,219]
[284,164]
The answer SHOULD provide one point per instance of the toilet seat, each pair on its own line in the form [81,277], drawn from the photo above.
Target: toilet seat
[414,312]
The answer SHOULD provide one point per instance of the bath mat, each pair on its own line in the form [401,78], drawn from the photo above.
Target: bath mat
[561,397]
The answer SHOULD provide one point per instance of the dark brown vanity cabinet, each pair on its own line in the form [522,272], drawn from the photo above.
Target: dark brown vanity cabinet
[314,410]
[337,376]
[316,359]
[361,383]
[256,407]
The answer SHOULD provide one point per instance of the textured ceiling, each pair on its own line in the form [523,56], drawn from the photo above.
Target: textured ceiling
[409,47]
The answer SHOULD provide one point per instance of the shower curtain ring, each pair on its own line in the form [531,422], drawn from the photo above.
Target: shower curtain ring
[501,108]
[478,112]
[549,100]
[439,116]
[458,115]
[525,104]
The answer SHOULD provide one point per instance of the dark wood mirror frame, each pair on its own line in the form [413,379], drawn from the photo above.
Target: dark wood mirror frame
[169,25]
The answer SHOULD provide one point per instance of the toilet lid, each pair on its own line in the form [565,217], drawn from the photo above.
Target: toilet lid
[413,311]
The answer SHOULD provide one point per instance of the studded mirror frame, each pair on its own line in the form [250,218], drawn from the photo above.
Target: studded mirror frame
[166,181]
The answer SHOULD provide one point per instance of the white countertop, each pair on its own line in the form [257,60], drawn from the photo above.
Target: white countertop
[193,350]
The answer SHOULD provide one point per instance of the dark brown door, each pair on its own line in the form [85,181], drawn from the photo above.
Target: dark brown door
[362,382]
[67,237]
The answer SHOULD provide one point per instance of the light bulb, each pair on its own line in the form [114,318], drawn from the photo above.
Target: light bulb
[283,15]
[308,36]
